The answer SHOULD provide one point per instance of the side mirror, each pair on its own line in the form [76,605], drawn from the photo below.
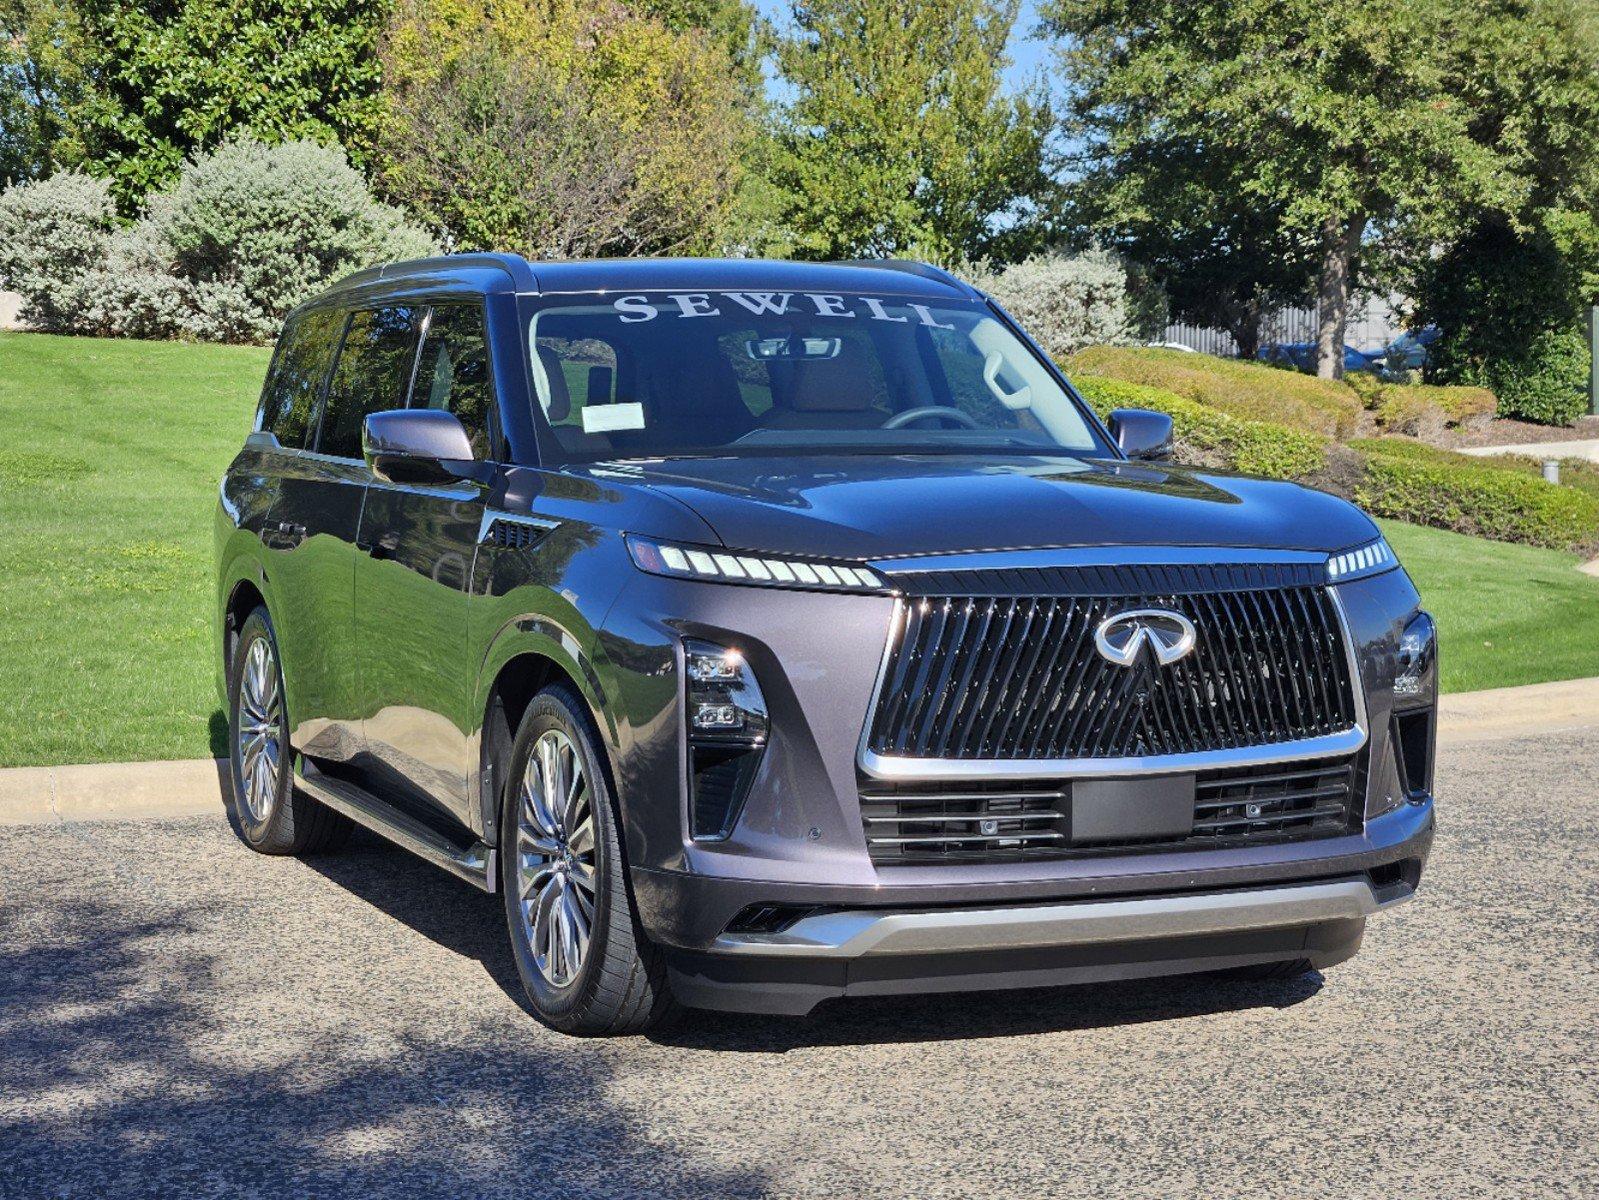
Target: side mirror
[1142,434]
[413,445]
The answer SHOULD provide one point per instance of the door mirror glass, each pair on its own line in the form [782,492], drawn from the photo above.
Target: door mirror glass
[1142,433]
[415,445]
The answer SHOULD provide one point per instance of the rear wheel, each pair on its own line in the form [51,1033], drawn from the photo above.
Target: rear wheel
[273,817]
[585,964]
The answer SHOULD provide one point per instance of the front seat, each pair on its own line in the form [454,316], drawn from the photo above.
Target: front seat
[825,393]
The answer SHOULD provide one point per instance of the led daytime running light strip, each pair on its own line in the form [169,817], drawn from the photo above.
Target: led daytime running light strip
[692,562]
[1376,556]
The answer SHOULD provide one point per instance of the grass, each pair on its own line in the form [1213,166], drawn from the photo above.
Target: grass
[1507,614]
[110,453]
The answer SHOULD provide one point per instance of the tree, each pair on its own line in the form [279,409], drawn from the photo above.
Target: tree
[1181,213]
[899,138]
[1353,119]
[37,77]
[561,129]
[165,78]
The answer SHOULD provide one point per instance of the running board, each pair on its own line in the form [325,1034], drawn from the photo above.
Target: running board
[475,863]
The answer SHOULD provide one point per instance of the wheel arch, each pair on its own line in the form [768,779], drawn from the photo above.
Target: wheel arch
[529,656]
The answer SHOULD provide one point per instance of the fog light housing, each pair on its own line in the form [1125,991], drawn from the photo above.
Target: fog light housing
[727,727]
[1416,668]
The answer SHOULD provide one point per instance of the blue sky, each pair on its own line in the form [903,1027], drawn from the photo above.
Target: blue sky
[1027,55]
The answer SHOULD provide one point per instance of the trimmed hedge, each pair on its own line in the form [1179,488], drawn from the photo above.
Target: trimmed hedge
[1410,481]
[1208,438]
[1246,390]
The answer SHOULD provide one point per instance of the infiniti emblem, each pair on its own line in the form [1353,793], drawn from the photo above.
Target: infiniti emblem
[1121,639]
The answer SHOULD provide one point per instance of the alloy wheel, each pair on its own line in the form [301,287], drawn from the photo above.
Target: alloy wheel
[555,858]
[260,734]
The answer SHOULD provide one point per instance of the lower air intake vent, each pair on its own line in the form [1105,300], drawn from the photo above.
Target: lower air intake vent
[1245,806]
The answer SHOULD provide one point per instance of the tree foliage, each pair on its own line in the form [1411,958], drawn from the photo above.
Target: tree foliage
[1354,123]
[38,76]
[162,79]
[898,136]
[561,129]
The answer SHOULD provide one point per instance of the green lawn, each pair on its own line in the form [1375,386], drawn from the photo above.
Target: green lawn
[1507,614]
[110,454]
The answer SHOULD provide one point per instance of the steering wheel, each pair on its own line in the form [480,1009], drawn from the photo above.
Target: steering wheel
[900,420]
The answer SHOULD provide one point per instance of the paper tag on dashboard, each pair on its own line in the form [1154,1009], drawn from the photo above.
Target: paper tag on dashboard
[607,418]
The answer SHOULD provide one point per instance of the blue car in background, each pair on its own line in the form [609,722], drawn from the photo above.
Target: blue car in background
[1302,356]
[1409,352]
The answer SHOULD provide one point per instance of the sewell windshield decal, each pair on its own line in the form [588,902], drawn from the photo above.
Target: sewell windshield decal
[688,305]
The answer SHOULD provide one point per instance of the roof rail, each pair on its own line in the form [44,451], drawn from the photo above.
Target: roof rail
[514,265]
[910,266]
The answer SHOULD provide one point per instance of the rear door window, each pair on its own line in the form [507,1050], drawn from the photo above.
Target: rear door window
[300,367]
[453,373]
[372,374]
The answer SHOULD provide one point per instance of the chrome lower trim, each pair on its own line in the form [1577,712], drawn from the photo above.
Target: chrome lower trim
[910,770]
[887,767]
[860,934]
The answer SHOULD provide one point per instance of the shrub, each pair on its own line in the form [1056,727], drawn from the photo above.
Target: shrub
[1413,482]
[53,233]
[247,233]
[1207,438]
[1247,390]
[252,230]
[1066,302]
[1546,381]
[1420,410]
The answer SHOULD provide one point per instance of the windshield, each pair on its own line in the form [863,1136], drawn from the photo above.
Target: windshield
[663,374]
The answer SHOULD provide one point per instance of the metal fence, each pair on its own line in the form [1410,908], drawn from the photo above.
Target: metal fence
[1373,323]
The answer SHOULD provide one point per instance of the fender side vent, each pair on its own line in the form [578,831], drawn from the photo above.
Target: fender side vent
[513,535]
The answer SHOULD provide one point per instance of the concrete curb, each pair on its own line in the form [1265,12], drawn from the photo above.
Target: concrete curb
[152,790]
[111,791]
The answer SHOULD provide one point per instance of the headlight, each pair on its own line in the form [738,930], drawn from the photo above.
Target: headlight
[729,566]
[727,726]
[1371,559]
[1416,668]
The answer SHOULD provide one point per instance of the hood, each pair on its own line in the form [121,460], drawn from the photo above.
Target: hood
[871,507]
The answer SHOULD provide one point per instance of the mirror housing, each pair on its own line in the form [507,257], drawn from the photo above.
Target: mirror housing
[1142,434]
[414,445]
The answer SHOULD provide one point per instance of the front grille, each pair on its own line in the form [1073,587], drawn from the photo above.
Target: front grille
[1235,806]
[1019,677]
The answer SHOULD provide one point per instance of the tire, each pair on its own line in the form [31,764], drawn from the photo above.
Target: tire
[1266,972]
[562,871]
[274,817]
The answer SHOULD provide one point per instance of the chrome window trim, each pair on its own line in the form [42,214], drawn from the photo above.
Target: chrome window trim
[892,768]
[491,515]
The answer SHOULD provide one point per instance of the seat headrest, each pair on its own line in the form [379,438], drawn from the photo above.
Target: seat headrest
[560,398]
[830,384]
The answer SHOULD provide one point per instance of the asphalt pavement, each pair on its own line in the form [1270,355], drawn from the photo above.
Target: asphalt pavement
[179,1016]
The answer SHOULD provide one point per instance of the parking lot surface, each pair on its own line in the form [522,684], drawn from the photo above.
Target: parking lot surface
[179,1016]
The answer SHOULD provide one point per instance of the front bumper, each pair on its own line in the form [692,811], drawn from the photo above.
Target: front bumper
[913,938]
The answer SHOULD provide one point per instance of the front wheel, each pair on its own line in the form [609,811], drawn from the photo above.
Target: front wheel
[273,816]
[585,964]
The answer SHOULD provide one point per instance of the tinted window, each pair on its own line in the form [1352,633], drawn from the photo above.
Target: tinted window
[298,369]
[454,371]
[371,375]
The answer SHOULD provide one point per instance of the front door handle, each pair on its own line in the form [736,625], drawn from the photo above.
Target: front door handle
[289,534]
